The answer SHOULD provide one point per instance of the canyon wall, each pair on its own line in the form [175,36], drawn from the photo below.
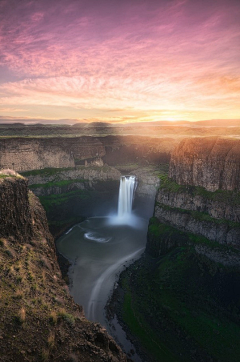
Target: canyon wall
[213,163]
[184,288]
[15,214]
[200,197]
[24,154]
[70,194]
[60,181]
[136,149]
[39,319]
[218,205]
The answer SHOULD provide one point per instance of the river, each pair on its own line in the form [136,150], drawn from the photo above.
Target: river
[99,249]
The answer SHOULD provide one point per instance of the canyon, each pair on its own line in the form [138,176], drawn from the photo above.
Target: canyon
[25,154]
[190,267]
[181,298]
[34,298]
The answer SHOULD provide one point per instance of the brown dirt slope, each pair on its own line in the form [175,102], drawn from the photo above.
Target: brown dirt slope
[39,321]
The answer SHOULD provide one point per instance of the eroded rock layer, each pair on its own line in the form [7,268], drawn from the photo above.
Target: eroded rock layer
[201,194]
[213,163]
[24,154]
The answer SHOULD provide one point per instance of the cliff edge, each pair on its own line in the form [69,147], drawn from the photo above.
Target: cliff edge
[201,194]
[213,163]
[39,321]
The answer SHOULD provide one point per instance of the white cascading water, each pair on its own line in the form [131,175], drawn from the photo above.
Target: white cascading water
[126,194]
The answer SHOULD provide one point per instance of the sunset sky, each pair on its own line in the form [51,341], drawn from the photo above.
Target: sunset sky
[119,60]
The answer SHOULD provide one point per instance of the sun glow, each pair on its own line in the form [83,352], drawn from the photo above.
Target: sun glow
[156,61]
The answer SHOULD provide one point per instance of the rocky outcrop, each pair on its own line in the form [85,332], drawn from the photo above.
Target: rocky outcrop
[137,149]
[80,177]
[201,195]
[15,214]
[39,319]
[24,154]
[82,173]
[222,233]
[147,181]
[213,163]
[218,206]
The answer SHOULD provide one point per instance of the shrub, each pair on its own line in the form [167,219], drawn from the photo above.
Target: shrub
[53,317]
[69,318]
[21,316]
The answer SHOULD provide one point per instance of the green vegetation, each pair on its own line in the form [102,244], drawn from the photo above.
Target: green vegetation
[45,171]
[163,237]
[34,305]
[61,183]
[69,318]
[183,307]
[66,208]
[2,175]
[54,200]
[201,216]
[179,304]
[231,197]
[139,328]
[9,174]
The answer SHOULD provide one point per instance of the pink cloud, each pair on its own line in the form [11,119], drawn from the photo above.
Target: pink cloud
[144,55]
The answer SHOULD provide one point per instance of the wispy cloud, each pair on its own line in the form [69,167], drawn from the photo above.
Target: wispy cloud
[182,56]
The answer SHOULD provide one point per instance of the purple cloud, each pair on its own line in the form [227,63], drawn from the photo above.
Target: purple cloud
[178,55]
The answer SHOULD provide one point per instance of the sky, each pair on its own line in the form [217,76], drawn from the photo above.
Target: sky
[119,60]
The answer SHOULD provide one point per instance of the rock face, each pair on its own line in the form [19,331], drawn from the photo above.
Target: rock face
[137,149]
[39,320]
[213,163]
[201,196]
[15,214]
[77,178]
[219,208]
[191,265]
[24,154]
[222,233]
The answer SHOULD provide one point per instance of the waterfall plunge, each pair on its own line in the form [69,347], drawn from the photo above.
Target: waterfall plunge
[126,193]
[125,216]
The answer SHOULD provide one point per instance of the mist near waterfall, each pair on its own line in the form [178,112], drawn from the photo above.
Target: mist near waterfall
[99,248]
[125,214]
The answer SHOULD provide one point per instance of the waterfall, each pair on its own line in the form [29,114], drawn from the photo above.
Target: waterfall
[126,193]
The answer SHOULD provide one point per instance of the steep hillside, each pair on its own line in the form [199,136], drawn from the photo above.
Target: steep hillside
[38,319]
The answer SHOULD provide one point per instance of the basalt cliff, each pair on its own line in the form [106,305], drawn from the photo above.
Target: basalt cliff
[213,163]
[181,301]
[201,193]
[38,319]
[24,154]
[77,177]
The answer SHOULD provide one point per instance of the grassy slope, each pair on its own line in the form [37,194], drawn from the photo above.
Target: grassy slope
[183,307]
[38,319]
